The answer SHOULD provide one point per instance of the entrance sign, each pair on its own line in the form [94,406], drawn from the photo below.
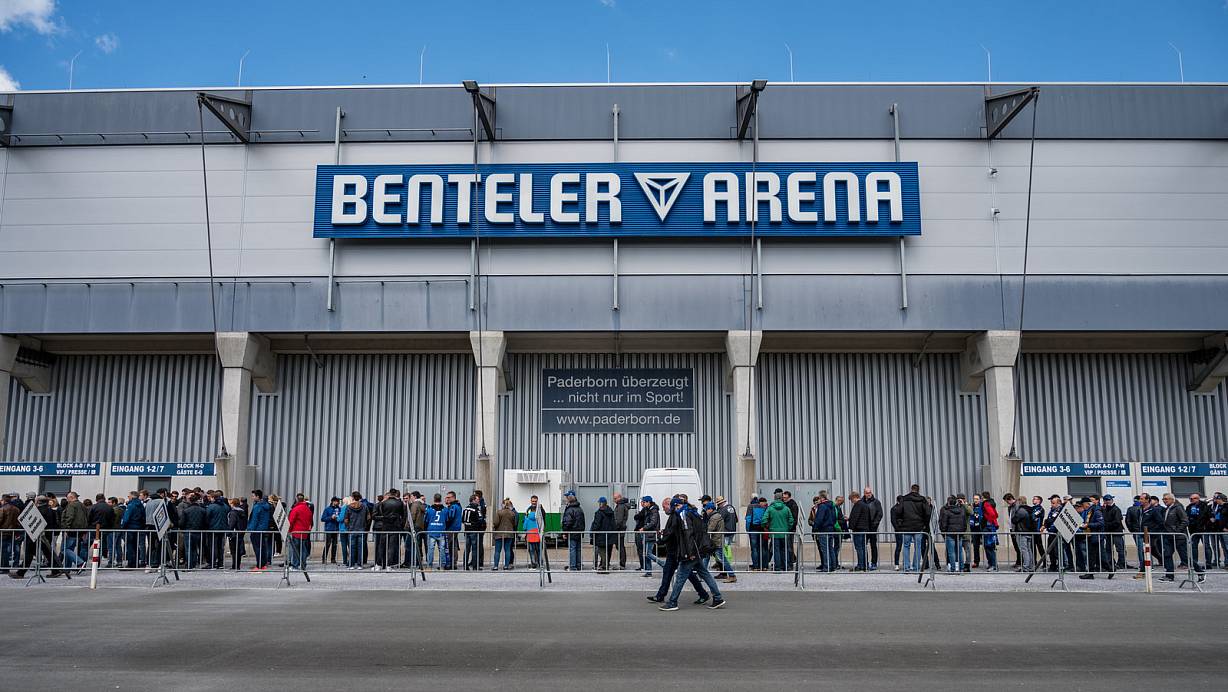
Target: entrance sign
[1113,468]
[32,521]
[1197,469]
[618,400]
[70,468]
[586,200]
[143,468]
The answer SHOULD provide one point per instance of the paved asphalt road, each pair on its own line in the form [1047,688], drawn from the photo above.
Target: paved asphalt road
[239,638]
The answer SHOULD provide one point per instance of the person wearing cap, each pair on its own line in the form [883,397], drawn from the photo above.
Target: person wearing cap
[602,534]
[622,514]
[667,544]
[647,523]
[686,534]
[572,523]
[328,518]
[729,530]
[1199,514]
[1113,539]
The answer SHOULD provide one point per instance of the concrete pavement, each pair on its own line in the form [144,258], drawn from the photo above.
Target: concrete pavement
[206,639]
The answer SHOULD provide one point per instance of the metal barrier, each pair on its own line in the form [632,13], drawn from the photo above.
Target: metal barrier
[923,556]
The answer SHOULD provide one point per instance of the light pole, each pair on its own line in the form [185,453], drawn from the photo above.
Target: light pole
[607,63]
[988,61]
[421,62]
[240,82]
[71,64]
[1180,63]
[790,51]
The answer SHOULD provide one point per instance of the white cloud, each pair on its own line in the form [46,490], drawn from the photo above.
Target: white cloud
[611,3]
[7,83]
[37,14]
[107,43]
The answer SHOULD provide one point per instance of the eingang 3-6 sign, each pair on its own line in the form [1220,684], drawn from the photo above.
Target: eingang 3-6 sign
[618,200]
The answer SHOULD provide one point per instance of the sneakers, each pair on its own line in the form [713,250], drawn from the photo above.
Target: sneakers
[654,599]
[897,568]
[668,608]
[1087,576]
[731,579]
[716,604]
[701,600]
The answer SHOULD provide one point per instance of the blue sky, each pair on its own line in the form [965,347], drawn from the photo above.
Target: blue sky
[172,43]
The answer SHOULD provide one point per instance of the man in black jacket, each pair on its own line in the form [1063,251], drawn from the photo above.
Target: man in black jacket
[102,516]
[622,512]
[389,523]
[874,510]
[193,518]
[647,523]
[573,525]
[1134,524]
[914,523]
[1113,540]
[667,545]
[1175,524]
[688,540]
[895,528]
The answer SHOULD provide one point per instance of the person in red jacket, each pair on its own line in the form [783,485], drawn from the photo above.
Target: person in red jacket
[301,519]
[990,539]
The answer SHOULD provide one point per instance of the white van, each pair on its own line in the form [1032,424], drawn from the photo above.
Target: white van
[661,484]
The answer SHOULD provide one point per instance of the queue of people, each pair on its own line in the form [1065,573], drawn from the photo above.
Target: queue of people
[390,532]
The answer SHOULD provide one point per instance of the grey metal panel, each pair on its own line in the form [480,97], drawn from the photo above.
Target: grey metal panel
[861,111]
[1124,112]
[694,111]
[646,303]
[363,422]
[645,112]
[119,408]
[1116,407]
[859,419]
[610,458]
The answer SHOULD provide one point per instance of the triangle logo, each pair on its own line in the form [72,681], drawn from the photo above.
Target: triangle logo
[662,189]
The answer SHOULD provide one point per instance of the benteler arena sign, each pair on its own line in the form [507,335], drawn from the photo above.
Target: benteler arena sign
[618,200]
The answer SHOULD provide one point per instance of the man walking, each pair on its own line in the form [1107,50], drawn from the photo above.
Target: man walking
[687,536]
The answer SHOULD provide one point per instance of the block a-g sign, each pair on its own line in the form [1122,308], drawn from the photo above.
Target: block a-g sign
[581,200]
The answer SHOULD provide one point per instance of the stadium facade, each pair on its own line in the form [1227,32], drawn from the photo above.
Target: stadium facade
[1012,287]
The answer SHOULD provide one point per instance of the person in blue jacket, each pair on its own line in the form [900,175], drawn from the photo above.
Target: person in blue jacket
[454,525]
[755,512]
[134,522]
[436,526]
[257,528]
[823,526]
[329,518]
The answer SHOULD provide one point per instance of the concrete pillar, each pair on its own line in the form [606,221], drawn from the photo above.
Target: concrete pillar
[989,359]
[246,360]
[488,351]
[29,374]
[8,359]
[741,354]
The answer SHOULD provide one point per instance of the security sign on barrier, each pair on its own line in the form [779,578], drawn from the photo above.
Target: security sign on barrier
[32,521]
[279,519]
[1068,523]
[161,520]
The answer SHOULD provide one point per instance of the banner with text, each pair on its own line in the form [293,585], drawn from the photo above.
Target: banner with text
[618,400]
[159,469]
[73,468]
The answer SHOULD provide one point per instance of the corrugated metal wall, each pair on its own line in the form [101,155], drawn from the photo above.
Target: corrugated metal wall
[1114,407]
[364,422]
[609,458]
[870,418]
[118,408]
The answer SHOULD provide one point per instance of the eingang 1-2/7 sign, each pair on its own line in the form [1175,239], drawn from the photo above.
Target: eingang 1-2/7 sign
[618,400]
[618,200]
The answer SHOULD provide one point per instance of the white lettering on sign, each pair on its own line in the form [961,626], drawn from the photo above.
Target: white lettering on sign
[508,197]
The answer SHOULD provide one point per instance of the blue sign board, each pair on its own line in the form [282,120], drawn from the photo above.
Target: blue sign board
[647,200]
[1186,469]
[618,400]
[156,469]
[76,468]
[1087,469]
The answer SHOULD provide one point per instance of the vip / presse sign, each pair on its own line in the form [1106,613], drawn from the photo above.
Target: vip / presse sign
[618,200]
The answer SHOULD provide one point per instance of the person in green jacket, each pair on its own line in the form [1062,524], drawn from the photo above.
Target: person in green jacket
[779,520]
